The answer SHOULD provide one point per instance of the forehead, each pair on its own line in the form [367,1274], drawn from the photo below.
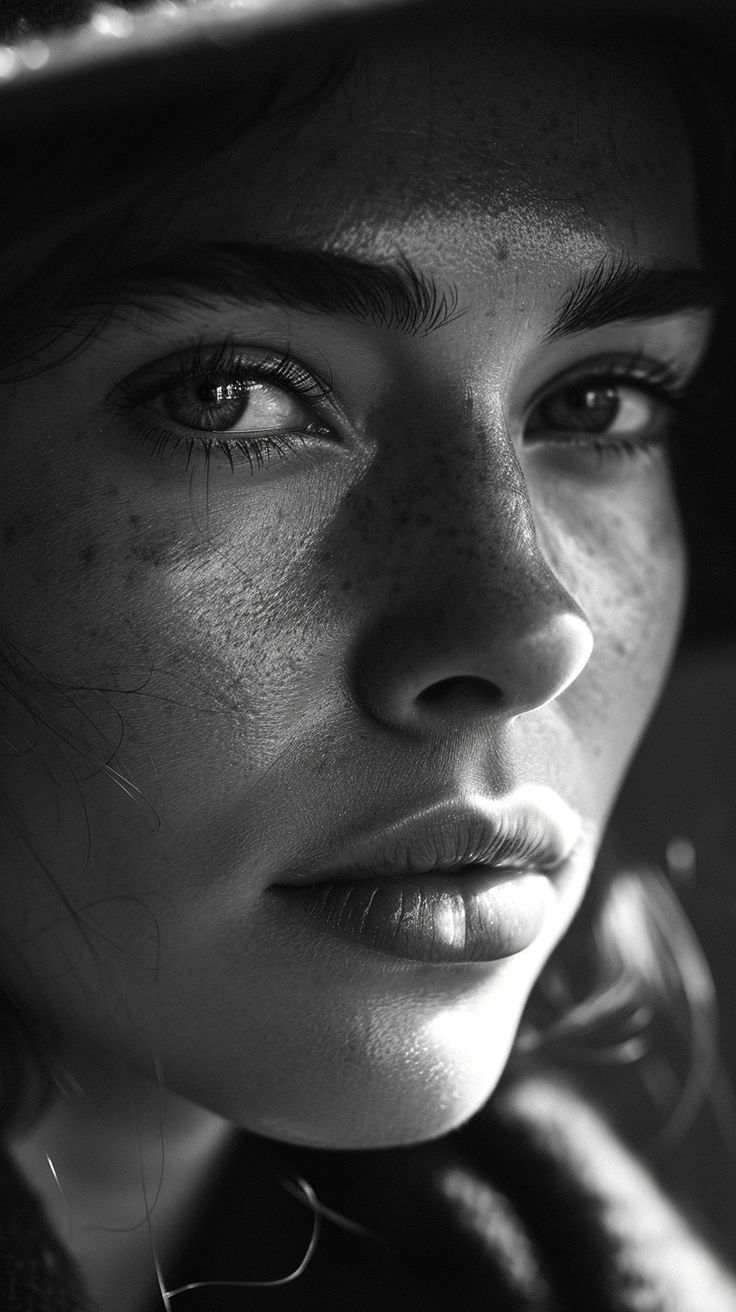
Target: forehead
[486,140]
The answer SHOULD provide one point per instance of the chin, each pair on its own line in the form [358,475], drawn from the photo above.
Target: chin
[411,1092]
[378,1120]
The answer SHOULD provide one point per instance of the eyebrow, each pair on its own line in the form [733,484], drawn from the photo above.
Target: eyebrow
[394,295]
[623,289]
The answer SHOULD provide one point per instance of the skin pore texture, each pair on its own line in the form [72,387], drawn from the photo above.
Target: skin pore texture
[430,598]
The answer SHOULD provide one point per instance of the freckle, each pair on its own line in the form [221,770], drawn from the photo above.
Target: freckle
[501,249]
[134,519]
[148,553]
[346,586]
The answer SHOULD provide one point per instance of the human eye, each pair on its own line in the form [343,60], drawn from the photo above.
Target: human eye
[609,409]
[237,404]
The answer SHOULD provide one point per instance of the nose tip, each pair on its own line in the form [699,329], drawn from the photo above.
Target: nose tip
[525,677]
[536,668]
[421,687]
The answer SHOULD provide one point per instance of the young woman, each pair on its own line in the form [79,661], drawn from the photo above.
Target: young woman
[342,568]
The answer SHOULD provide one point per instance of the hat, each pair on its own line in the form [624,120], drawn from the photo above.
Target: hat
[60,56]
[67,64]
[64,48]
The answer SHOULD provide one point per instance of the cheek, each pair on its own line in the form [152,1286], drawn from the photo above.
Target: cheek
[623,557]
[171,642]
[126,566]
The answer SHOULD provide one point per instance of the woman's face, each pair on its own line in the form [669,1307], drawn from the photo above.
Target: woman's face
[342,547]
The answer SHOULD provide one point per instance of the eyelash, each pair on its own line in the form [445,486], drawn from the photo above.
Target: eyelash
[256,449]
[663,381]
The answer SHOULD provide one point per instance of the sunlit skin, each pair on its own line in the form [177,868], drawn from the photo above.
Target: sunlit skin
[253,650]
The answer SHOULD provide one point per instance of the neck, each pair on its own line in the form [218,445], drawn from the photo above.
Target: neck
[121,1175]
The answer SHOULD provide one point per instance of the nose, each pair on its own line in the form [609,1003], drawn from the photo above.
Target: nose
[476,623]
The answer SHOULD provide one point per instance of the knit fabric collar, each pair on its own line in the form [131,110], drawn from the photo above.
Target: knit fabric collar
[36,1274]
[534,1206]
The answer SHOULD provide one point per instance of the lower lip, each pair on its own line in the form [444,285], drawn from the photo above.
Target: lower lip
[474,914]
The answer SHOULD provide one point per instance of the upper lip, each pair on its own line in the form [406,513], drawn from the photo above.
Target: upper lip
[531,829]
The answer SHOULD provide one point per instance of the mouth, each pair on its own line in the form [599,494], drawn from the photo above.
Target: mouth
[468,882]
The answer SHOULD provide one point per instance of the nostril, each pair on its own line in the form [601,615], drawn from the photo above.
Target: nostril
[462,692]
[427,666]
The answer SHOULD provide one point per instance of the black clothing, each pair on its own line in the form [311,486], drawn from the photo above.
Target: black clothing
[534,1206]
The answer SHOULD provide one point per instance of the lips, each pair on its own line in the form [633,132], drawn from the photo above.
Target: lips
[461,881]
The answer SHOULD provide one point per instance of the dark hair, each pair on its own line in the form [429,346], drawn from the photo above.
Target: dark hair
[705,467]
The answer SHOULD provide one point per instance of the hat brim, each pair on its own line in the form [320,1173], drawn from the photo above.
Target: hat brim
[121,56]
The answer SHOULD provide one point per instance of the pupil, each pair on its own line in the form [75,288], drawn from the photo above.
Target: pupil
[594,398]
[208,404]
[214,394]
[592,408]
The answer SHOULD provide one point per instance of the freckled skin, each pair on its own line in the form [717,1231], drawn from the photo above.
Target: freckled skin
[253,651]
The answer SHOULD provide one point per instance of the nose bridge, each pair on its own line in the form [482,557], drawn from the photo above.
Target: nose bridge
[458,515]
